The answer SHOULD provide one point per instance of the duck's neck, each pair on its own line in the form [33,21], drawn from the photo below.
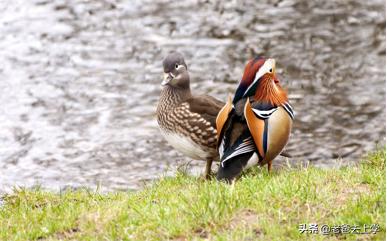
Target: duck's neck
[271,93]
[171,96]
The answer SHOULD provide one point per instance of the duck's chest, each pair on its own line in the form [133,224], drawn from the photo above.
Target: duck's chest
[166,107]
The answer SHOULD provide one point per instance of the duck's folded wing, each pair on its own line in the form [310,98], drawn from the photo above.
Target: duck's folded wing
[222,117]
[206,107]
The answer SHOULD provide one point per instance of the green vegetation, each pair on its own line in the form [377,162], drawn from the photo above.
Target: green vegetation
[260,206]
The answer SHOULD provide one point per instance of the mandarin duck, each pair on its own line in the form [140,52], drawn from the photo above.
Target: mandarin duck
[187,121]
[255,126]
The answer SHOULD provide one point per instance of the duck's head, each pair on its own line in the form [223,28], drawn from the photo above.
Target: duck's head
[260,82]
[175,71]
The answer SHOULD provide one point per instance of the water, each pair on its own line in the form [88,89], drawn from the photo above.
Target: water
[79,81]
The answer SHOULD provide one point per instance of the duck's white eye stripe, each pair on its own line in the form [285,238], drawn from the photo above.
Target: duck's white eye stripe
[265,68]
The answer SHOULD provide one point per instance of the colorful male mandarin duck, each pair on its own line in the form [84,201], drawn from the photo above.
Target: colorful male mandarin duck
[186,121]
[255,126]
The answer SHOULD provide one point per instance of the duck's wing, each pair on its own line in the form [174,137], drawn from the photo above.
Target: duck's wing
[234,138]
[222,118]
[196,118]
[205,106]
[237,141]
[236,148]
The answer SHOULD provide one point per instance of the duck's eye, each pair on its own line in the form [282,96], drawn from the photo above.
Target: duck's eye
[176,66]
[271,70]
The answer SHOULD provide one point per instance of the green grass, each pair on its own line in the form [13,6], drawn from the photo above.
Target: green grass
[260,206]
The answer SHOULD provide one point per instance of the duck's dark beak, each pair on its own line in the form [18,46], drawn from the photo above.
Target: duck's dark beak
[167,78]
